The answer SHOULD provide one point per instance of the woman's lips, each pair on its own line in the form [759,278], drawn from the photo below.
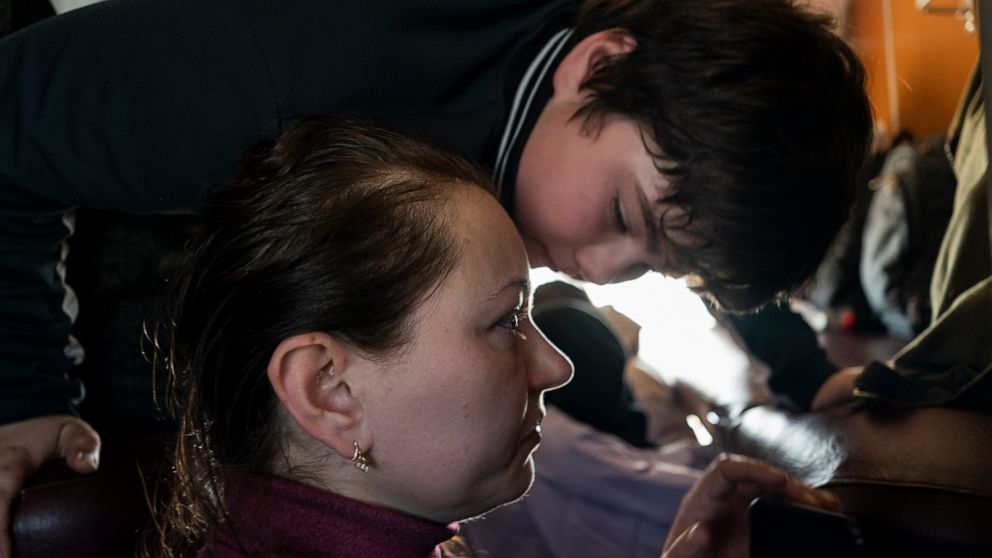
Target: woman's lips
[535,431]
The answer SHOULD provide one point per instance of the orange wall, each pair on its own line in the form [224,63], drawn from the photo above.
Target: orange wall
[933,58]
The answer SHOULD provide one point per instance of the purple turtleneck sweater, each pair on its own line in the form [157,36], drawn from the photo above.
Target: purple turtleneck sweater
[275,517]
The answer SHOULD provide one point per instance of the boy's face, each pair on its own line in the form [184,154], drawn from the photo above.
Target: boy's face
[586,198]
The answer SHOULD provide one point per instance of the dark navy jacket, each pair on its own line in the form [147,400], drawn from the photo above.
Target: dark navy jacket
[139,106]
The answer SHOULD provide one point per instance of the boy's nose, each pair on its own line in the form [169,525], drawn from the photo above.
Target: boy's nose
[609,263]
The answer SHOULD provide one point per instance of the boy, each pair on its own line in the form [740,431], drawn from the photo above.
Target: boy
[718,140]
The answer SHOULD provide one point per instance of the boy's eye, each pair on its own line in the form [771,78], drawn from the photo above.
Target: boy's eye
[619,220]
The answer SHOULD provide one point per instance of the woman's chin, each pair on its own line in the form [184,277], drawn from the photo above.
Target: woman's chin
[514,492]
[523,494]
[527,481]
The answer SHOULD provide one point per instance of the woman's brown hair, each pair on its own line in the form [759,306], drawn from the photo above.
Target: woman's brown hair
[335,226]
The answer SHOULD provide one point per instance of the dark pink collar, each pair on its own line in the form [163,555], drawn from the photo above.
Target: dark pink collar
[275,517]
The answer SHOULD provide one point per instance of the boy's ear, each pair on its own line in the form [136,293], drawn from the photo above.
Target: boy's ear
[586,57]
[309,373]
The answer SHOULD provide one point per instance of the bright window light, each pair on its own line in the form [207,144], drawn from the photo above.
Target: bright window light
[677,331]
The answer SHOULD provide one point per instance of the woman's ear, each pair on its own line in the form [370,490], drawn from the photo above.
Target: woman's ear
[310,374]
[585,59]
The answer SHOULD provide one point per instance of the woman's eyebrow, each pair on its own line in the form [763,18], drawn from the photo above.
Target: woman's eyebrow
[520,284]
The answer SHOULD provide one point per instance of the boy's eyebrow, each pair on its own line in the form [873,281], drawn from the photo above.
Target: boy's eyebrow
[654,233]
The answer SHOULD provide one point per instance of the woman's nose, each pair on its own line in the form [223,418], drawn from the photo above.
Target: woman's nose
[548,368]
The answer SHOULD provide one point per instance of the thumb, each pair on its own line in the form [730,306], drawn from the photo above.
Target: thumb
[691,543]
[79,444]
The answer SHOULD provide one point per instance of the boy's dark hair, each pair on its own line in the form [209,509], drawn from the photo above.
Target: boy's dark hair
[762,121]
[335,226]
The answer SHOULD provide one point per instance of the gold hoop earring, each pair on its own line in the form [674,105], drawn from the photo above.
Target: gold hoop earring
[360,460]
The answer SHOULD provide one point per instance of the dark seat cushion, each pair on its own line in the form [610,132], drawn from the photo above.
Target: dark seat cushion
[101,515]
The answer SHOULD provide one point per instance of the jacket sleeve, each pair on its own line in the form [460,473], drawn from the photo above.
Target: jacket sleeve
[134,106]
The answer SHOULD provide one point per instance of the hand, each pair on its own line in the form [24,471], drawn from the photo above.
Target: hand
[837,390]
[26,445]
[712,519]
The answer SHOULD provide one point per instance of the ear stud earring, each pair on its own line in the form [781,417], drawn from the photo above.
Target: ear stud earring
[329,372]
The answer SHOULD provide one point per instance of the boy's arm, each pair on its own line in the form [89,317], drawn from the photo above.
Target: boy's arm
[129,106]
[837,390]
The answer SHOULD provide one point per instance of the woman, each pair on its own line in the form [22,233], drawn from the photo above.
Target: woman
[352,346]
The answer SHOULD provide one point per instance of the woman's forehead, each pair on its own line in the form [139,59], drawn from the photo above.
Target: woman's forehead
[490,248]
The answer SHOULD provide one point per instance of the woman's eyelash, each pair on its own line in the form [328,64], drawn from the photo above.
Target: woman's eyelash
[618,218]
[512,321]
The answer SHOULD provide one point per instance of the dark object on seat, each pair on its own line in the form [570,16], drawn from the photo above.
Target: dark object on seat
[917,480]
[782,340]
[782,529]
[63,513]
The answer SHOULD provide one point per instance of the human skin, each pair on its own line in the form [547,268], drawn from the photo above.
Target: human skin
[472,380]
[713,517]
[451,419]
[838,389]
[588,197]
[26,445]
[578,205]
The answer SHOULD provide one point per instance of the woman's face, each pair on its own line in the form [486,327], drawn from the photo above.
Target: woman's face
[453,418]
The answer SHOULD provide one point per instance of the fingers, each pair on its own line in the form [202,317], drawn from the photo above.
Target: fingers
[721,497]
[730,470]
[746,479]
[693,543]
[728,479]
[26,445]
[799,493]
[79,444]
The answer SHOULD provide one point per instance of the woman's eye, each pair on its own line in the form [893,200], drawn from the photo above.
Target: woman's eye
[619,220]
[512,321]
